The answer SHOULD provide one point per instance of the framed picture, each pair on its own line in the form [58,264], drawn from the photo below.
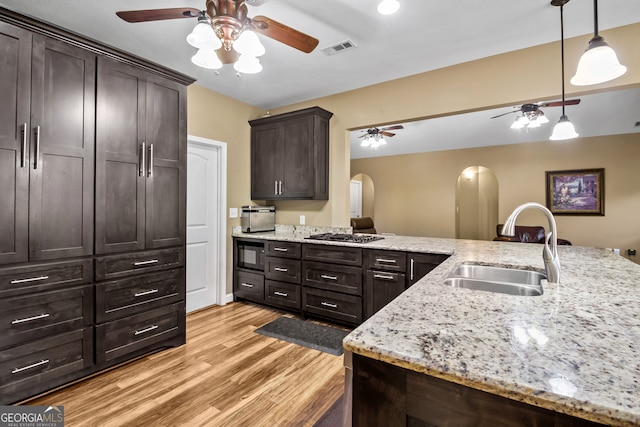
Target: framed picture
[576,192]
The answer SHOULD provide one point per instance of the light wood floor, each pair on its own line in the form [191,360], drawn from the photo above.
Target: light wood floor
[226,375]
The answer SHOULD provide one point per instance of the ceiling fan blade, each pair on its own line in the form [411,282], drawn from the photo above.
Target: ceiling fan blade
[392,127]
[227,57]
[504,114]
[284,34]
[158,14]
[559,103]
[386,133]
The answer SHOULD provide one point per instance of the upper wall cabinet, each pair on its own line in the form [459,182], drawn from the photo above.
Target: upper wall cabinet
[290,156]
[140,169]
[47,122]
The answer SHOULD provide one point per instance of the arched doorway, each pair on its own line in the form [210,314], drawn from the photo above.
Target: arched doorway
[476,204]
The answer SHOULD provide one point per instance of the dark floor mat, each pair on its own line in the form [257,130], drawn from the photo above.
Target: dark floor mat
[307,334]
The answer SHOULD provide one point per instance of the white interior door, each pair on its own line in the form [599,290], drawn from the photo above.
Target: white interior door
[355,199]
[206,223]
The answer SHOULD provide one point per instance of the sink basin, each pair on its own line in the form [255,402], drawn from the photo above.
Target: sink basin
[510,281]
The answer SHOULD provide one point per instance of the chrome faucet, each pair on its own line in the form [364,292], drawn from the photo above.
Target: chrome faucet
[550,250]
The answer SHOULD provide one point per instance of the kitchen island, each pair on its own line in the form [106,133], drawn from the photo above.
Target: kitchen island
[573,350]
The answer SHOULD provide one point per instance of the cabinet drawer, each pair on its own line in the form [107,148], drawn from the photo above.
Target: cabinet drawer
[285,295]
[120,298]
[122,265]
[332,277]
[282,249]
[332,305]
[34,316]
[44,276]
[283,269]
[41,365]
[334,254]
[385,260]
[249,286]
[124,336]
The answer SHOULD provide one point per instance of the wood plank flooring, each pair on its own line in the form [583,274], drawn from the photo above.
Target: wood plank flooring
[225,375]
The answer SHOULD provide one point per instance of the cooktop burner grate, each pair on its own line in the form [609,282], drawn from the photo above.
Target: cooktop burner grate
[349,238]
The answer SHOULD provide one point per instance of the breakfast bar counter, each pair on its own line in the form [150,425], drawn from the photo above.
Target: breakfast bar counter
[575,349]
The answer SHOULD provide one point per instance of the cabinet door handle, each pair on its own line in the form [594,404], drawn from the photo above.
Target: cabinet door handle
[35,365]
[275,187]
[386,261]
[37,150]
[280,269]
[411,269]
[143,293]
[246,285]
[140,263]
[31,279]
[281,294]
[142,331]
[383,276]
[23,154]
[281,249]
[150,173]
[328,304]
[280,190]
[142,161]
[30,319]
[326,276]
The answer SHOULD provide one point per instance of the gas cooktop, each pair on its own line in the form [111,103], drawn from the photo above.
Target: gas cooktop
[348,238]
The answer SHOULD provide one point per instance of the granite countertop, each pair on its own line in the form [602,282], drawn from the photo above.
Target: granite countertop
[575,349]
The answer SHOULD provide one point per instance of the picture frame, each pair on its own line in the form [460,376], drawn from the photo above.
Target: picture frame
[576,192]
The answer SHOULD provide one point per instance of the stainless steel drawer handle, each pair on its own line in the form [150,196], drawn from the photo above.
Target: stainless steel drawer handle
[281,249]
[142,161]
[328,304]
[281,294]
[31,279]
[383,276]
[326,276]
[246,285]
[37,148]
[142,331]
[23,154]
[386,261]
[150,171]
[282,270]
[35,365]
[413,262]
[149,292]
[29,319]
[151,261]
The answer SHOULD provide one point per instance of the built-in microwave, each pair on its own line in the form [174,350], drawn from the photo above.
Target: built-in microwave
[251,255]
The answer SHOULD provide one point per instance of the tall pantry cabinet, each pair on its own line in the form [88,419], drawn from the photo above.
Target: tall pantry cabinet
[92,207]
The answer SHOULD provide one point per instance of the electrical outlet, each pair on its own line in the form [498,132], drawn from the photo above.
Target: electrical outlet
[302,219]
[233,212]
[616,251]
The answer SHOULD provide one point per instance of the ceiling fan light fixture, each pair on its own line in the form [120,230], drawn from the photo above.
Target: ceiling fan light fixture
[247,65]
[518,123]
[542,119]
[249,44]
[365,142]
[563,130]
[203,36]
[598,64]
[207,58]
[534,124]
[387,7]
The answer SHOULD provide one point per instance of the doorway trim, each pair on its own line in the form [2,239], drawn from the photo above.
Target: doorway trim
[221,206]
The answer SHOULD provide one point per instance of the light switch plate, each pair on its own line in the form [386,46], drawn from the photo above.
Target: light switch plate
[233,212]
[302,219]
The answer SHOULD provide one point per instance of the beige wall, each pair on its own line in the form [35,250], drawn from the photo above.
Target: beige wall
[485,83]
[427,182]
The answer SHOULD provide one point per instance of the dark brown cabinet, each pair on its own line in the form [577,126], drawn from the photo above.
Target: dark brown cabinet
[290,155]
[140,162]
[47,155]
[419,264]
[384,278]
[282,272]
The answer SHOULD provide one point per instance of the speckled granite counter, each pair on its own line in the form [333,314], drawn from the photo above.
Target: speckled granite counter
[575,349]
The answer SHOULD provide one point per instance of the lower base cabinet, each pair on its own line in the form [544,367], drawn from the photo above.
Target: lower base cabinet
[284,295]
[330,305]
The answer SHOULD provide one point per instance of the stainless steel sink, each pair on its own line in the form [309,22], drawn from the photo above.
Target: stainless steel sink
[496,279]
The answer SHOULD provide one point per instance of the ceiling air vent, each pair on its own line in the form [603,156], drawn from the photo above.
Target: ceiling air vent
[339,48]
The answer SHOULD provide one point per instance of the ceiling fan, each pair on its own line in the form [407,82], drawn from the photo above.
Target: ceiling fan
[229,20]
[374,136]
[531,114]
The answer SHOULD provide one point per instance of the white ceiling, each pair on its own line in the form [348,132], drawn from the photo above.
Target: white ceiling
[423,35]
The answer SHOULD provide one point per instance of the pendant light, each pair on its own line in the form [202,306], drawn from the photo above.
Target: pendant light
[599,63]
[387,7]
[564,128]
